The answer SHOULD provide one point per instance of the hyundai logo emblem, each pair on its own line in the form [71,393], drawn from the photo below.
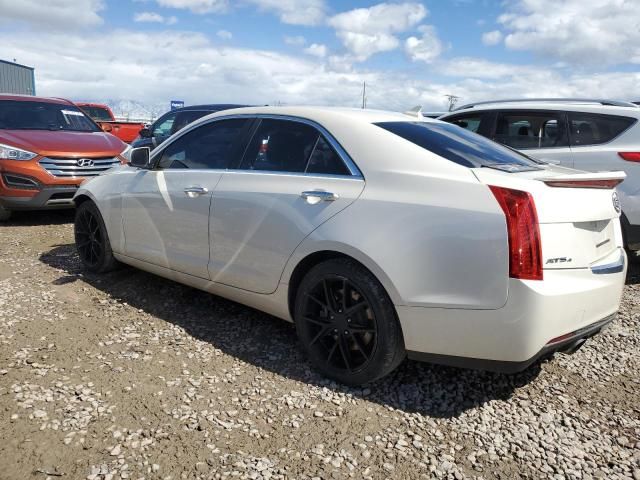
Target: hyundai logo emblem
[616,202]
[84,162]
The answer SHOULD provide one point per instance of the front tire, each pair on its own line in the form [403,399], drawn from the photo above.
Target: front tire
[92,240]
[347,324]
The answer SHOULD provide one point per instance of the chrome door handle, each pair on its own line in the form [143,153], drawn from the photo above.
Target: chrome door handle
[194,191]
[316,196]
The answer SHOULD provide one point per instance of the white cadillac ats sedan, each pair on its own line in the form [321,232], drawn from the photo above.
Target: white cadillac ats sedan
[378,235]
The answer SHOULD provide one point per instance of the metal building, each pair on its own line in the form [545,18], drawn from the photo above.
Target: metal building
[16,78]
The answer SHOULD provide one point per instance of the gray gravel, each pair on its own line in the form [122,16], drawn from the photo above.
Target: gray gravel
[129,376]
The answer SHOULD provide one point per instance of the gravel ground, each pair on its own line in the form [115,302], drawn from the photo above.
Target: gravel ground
[128,375]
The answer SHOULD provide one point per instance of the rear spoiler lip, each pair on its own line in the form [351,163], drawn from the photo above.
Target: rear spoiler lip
[588,179]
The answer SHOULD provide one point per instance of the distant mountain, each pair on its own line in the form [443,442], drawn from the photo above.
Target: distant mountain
[133,110]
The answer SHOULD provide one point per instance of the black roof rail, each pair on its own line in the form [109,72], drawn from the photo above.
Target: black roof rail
[610,103]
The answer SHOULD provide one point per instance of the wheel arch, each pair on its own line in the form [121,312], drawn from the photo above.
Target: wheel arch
[305,262]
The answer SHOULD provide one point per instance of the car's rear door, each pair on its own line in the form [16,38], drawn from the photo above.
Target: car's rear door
[166,209]
[538,133]
[293,177]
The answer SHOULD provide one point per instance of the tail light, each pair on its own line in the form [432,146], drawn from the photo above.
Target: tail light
[630,156]
[525,251]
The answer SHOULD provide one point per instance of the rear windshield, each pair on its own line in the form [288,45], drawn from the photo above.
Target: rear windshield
[19,115]
[460,146]
[99,114]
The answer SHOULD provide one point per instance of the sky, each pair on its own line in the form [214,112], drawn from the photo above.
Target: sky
[320,52]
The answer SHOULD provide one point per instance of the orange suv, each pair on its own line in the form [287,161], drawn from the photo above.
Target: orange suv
[48,146]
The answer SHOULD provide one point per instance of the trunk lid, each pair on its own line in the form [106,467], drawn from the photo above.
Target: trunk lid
[579,226]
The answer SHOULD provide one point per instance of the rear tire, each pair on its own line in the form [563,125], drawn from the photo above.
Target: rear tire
[92,240]
[347,324]
[5,214]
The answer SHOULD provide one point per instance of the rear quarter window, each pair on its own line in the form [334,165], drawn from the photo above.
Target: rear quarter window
[459,145]
[595,129]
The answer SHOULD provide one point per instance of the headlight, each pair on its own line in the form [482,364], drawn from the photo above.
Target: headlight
[126,153]
[7,152]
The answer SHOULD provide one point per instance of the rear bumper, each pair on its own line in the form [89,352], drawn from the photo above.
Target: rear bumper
[45,198]
[571,302]
[567,344]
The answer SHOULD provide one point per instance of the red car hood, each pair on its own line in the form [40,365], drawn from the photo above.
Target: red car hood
[57,143]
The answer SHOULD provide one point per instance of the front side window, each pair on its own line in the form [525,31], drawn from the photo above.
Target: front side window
[594,129]
[524,130]
[206,147]
[164,126]
[468,122]
[20,115]
[460,146]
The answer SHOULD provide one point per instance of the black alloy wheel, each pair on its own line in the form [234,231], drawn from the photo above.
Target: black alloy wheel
[347,324]
[341,325]
[92,241]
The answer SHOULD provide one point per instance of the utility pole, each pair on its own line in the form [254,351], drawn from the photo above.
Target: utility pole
[452,99]
[364,95]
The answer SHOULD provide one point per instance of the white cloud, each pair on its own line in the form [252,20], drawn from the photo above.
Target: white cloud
[54,14]
[189,66]
[366,31]
[153,17]
[492,38]
[294,12]
[224,34]
[297,40]
[577,31]
[425,48]
[197,6]
[317,50]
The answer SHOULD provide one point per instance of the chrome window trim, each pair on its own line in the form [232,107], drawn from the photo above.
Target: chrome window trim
[344,156]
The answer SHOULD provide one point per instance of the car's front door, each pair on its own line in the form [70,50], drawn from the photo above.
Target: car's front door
[537,133]
[166,209]
[293,177]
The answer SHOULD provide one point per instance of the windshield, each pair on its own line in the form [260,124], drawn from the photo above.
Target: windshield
[19,115]
[99,114]
[460,146]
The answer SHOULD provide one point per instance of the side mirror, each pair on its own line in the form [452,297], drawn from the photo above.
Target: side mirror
[106,127]
[139,157]
[145,132]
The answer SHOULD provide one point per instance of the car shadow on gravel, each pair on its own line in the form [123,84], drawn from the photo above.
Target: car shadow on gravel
[270,343]
[40,217]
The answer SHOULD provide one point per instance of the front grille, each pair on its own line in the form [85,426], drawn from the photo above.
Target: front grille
[78,167]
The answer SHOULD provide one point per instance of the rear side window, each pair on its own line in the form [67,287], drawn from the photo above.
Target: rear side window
[469,122]
[594,129]
[295,147]
[207,147]
[459,146]
[524,130]
[324,159]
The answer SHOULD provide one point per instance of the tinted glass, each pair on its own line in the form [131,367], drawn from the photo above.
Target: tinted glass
[99,114]
[43,116]
[458,145]
[280,146]
[324,159]
[206,147]
[524,130]
[185,118]
[593,129]
[471,123]
[164,126]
